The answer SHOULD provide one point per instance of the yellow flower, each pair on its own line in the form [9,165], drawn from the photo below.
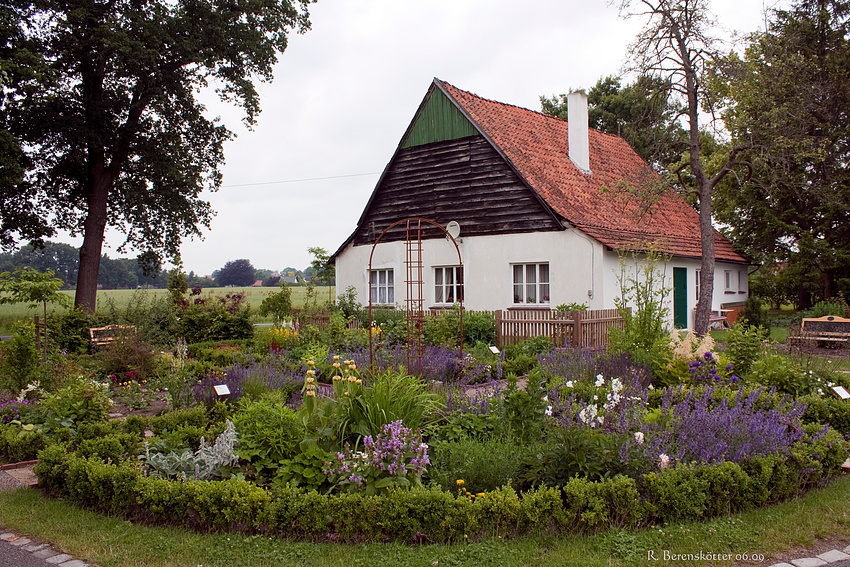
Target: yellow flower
[311,363]
[311,372]
[460,482]
[337,378]
[480,495]
[336,357]
[310,393]
[310,380]
[336,365]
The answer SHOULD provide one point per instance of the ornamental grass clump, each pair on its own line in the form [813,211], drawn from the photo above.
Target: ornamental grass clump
[396,457]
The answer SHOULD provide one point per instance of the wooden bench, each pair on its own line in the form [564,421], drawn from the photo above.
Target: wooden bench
[101,336]
[828,330]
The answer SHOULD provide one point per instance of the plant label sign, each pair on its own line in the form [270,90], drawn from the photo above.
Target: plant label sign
[494,350]
[841,392]
[221,389]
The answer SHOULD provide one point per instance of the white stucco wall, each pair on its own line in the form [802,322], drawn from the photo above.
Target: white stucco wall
[736,293]
[581,270]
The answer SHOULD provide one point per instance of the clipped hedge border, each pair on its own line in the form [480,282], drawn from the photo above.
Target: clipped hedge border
[686,492]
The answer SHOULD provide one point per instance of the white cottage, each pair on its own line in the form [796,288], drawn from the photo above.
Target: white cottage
[541,212]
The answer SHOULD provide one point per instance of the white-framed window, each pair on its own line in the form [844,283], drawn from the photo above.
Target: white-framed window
[742,281]
[448,284]
[729,281]
[699,274]
[531,284]
[382,287]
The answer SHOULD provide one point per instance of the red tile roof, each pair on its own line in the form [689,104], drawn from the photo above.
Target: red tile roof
[537,146]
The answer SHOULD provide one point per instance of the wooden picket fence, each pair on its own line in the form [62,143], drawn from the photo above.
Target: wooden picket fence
[580,329]
[577,329]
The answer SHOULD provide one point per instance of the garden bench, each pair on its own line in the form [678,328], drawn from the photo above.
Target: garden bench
[828,330]
[104,335]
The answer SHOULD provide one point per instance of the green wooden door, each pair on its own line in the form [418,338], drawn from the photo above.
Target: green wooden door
[680,298]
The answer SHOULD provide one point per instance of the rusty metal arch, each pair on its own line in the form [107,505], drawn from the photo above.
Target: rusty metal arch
[414,318]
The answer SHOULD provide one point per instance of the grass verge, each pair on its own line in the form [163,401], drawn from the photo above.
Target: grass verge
[760,534]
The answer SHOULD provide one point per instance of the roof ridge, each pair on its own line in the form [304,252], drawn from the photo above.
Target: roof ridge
[537,112]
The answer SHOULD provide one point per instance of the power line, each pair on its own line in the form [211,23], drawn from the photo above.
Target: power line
[301,180]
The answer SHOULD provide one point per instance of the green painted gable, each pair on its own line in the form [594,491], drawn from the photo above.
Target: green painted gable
[438,121]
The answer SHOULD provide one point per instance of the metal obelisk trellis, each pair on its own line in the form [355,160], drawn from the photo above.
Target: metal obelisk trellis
[414,290]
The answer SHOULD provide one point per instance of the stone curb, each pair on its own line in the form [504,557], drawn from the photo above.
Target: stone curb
[825,558]
[42,550]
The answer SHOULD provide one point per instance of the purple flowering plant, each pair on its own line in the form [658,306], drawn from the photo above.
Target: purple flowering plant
[701,429]
[703,370]
[14,410]
[396,457]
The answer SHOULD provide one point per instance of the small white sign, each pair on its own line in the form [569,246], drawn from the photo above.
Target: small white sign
[221,389]
[841,392]
[494,350]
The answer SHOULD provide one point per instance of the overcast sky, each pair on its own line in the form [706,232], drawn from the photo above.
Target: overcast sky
[345,92]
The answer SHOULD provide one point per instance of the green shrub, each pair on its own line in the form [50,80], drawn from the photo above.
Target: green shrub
[70,331]
[269,433]
[19,358]
[753,314]
[105,487]
[521,412]
[216,318]
[52,469]
[775,371]
[153,316]
[571,452]
[179,419]
[83,401]
[112,447]
[220,354]
[744,347]
[127,353]
[483,464]
[832,411]
[594,505]
[20,442]
[306,469]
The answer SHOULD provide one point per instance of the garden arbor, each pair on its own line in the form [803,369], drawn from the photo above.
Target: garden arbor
[413,229]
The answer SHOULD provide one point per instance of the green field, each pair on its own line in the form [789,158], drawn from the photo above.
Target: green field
[121,298]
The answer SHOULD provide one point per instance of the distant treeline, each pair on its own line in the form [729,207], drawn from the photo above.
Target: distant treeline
[118,273]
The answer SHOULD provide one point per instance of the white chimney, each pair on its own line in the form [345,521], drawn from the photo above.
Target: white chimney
[578,143]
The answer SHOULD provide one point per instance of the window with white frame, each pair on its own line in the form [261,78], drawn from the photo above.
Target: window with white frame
[381,287]
[729,279]
[742,281]
[448,284]
[697,286]
[531,284]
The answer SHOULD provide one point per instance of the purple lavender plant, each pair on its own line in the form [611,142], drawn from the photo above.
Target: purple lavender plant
[703,370]
[697,430]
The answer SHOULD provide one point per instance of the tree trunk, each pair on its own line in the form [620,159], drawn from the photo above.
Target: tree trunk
[94,229]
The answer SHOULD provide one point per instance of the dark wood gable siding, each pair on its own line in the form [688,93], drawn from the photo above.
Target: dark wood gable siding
[464,180]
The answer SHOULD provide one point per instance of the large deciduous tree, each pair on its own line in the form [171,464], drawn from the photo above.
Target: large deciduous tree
[676,44]
[237,272]
[789,96]
[102,103]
